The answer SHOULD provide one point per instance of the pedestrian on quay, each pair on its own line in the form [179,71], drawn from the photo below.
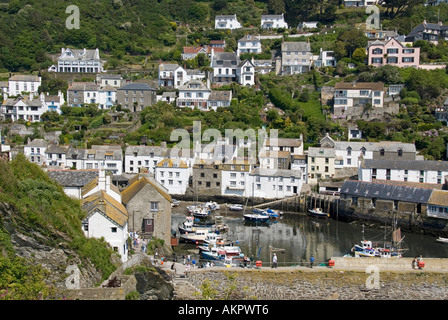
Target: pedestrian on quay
[312,261]
[274,261]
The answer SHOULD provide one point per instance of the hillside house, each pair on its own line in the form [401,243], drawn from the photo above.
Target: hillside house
[441,112]
[72,181]
[194,94]
[224,65]
[20,83]
[227,22]
[431,32]
[296,57]
[246,73]
[273,21]
[249,44]
[136,96]
[79,60]
[392,52]
[360,94]
[219,99]
[34,151]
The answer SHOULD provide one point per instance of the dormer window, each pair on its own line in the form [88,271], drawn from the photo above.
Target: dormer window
[363,151]
[349,151]
[400,152]
[382,152]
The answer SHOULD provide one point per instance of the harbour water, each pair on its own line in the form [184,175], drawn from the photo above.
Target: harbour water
[302,236]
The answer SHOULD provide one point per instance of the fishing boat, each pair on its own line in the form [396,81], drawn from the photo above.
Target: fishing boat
[200,212]
[189,226]
[197,237]
[175,203]
[317,212]
[442,240]
[390,249]
[236,207]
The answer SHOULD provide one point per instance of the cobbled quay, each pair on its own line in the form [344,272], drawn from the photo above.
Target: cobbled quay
[319,283]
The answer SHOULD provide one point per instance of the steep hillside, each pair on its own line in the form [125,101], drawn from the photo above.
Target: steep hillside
[40,235]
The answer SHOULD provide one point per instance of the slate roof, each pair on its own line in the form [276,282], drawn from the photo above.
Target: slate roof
[375,146]
[359,85]
[386,191]
[321,152]
[37,143]
[24,77]
[144,151]
[219,95]
[72,178]
[137,86]
[406,164]
[276,173]
[296,46]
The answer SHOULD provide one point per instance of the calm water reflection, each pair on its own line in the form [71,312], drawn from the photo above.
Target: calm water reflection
[302,236]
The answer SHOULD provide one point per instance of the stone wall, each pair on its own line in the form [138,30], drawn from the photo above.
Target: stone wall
[322,284]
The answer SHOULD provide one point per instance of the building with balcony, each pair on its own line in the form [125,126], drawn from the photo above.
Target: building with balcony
[194,94]
[392,52]
[296,57]
[357,94]
[249,44]
[79,60]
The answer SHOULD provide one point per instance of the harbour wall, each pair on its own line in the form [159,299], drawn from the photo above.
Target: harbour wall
[319,283]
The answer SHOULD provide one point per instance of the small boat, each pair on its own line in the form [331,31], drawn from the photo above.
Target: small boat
[274,214]
[212,205]
[442,240]
[188,226]
[366,249]
[257,215]
[175,203]
[317,212]
[236,207]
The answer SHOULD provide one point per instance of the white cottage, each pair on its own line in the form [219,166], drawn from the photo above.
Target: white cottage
[227,22]
[273,21]
[79,60]
[246,73]
[274,184]
[106,218]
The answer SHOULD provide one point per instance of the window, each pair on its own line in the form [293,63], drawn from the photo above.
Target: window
[154,206]
[392,50]
[400,152]
[382,152]
[113,229]
[349,151]
[392,60]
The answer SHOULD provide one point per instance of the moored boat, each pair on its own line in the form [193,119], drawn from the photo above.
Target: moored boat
[236,207]
[317,212]
[197,237]
[257,215]
[442,240]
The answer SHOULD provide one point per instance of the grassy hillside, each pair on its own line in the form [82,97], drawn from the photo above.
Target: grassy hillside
[35,205]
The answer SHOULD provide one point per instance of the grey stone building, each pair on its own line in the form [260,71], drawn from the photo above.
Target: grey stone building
[136,96]
[207,177]
[149,207]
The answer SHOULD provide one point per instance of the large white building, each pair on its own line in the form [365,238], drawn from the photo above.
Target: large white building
[34,151]
[274,184]
[404,170]
[79,60]
[235,176]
